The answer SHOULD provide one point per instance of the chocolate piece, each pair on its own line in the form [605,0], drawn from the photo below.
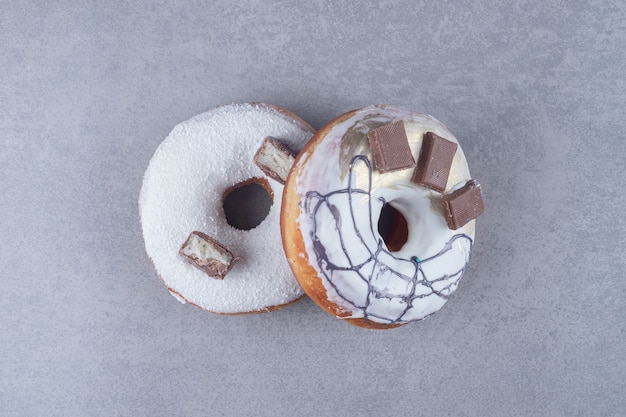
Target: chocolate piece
[274,159]
[390,147]
[208,255]
[434,162]
[463,205]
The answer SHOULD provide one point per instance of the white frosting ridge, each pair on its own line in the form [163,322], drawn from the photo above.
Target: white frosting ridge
[182,191]
[360,275]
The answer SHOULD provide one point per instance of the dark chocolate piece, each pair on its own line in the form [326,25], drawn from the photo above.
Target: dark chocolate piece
[463,205]
[434,162]
[390,147]
[274,159]
[208,255]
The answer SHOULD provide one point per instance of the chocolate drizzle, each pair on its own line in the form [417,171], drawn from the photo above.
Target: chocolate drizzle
[373,270]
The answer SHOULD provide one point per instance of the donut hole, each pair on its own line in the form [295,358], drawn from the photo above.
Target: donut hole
[247,204]
[393,228]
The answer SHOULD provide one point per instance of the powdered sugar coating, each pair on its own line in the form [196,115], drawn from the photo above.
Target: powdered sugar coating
[182,192]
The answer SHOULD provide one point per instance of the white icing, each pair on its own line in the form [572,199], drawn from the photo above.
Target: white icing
[365,282]
[182,192]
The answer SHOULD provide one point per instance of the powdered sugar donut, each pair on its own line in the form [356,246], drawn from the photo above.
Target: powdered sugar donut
[199,163]
[377,217]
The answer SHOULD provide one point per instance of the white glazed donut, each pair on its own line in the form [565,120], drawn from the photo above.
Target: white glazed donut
[332,203]
[183,189]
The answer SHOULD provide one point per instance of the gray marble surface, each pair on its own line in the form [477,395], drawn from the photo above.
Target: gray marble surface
[534,90]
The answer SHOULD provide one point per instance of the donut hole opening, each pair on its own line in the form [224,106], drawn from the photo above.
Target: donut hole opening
[393,228]
[247,203]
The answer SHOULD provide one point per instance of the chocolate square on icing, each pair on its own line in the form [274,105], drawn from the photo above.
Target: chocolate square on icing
[390,147]
[434,162]
[463,205]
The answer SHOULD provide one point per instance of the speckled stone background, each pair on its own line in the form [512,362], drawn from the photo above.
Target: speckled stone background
[534,90]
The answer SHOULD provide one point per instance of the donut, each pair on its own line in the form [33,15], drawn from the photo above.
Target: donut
[184,203]
[378,214]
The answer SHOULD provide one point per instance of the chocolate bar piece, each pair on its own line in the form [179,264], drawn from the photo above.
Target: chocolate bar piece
[434,162]
[208,255]
[390,147]
[274,159]
[463,205]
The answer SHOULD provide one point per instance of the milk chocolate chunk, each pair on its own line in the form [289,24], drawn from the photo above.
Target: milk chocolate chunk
[434,162]
[208,255]
[274,159]
[390,147]
[463,205]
